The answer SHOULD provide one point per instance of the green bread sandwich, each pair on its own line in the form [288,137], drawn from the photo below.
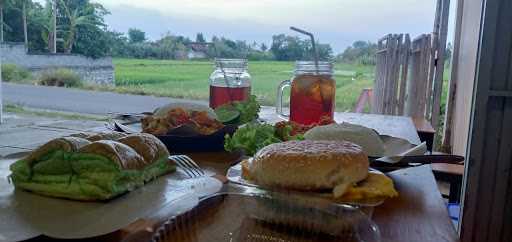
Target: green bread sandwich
[92,168]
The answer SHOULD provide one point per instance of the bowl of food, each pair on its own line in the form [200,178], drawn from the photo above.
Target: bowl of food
[191,127]
[184,128]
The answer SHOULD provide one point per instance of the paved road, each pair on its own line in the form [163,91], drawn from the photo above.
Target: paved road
[80,101]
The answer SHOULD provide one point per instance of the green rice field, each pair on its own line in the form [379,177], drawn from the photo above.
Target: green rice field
[189,79]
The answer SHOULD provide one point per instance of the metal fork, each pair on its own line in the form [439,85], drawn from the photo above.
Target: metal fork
[188,165]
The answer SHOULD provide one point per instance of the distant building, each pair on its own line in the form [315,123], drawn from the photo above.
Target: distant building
[197,50]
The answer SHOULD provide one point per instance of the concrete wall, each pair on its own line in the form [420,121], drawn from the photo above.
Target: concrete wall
[95,71]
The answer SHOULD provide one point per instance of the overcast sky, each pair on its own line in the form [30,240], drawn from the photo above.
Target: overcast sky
[337,22]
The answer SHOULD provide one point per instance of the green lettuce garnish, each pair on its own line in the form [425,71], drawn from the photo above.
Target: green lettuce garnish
[82,176]
[247,111]
[251,137]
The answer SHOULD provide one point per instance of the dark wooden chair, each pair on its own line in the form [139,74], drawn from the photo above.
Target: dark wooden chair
[425,131]
[451,173]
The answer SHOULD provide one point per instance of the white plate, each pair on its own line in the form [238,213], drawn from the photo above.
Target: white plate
[24,215]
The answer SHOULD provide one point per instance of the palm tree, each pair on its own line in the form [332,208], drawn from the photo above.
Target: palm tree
[23,10]
[2,2]
[52,36]
[81,16]
[24,17]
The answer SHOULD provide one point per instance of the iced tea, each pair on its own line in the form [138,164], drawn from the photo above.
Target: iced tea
[223,95]
[312,97]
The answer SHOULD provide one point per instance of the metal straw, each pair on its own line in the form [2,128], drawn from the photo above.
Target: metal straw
[222,70]
[231,99]
[315,56]
[312,37]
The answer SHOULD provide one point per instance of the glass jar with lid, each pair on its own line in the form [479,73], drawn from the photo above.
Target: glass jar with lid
[312,95]
[230,81]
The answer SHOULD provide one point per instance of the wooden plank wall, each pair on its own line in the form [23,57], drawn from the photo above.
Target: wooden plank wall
[487,205]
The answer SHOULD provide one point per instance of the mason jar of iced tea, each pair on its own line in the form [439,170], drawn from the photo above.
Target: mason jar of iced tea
[312,95]
[230,81]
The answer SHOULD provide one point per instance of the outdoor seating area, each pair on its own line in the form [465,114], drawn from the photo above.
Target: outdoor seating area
[109,134]
[415,193]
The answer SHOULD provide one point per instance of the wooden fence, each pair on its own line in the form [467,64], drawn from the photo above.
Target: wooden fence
[405,77]
[409,75]
[419,82]
[391,74]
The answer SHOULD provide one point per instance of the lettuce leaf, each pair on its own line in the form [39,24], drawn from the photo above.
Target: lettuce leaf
[251,137]
[248,111]
[82,176]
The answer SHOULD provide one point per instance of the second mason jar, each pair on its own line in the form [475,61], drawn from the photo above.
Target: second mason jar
[312,95]
[230,81]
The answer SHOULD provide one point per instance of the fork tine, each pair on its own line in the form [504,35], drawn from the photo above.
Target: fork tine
[192,168]
[180,164]
[187,166]
[194,164]
[184,168]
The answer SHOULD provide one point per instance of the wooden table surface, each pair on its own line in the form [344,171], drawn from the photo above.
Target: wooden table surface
[397,126]
[418,214]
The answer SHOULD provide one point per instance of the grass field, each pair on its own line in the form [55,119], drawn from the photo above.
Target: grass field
[189,79]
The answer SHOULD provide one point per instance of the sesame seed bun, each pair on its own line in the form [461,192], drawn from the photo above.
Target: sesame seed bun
[310,165]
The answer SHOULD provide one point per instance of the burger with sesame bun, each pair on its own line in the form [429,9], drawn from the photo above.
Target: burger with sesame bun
[315,166]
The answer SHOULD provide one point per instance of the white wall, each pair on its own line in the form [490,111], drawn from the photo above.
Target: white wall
[467,58]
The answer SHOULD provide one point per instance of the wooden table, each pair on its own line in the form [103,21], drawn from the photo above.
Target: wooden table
[418,214]
[397,126]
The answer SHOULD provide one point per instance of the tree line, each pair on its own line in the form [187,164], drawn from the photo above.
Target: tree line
[64,26]
[78,26]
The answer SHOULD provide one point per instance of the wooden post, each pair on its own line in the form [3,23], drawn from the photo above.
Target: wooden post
[395,74]
[390,46]
[403,75]
[380,75]
[423,78]
[452,85]
[438,79]
[418,76]
[364,98]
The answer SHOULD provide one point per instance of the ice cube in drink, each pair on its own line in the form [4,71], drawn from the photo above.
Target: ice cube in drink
[312,98]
